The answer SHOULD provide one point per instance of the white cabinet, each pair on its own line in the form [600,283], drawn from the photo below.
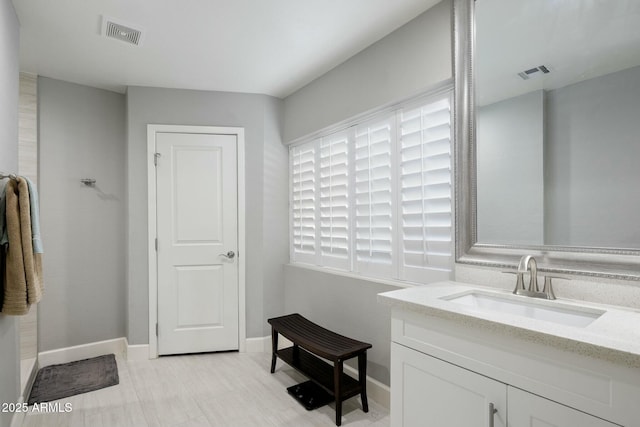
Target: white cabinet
[528,410]
[427,391]
[446,372]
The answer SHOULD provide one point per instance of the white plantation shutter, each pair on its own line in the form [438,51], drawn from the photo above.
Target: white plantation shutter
[376,199]
[373,198]
[425,193]
[303,202]
[334,201]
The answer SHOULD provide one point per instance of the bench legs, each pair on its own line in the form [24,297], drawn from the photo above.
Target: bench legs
[274,349]
[337,383]
[362,377]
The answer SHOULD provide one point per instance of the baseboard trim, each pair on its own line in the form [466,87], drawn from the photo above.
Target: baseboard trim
[18,417]
[377,391]
[117,346]
[258,345]
[28,383]
[137,351]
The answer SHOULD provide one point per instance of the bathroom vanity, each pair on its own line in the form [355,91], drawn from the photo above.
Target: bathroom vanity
[470,356]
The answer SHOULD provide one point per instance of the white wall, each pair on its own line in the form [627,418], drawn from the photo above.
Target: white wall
[82,135]
[266,202]
[510,141]
[275,221]
[9,30]
[414,57]
[404,63]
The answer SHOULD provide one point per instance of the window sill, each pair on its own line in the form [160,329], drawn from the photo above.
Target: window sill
[328,270]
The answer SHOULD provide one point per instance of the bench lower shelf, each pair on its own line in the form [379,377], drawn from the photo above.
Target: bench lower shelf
[319,371]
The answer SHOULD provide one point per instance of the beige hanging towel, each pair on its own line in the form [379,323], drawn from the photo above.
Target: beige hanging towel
[23,268]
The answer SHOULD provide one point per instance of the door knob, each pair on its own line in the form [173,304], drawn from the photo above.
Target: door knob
[229,255]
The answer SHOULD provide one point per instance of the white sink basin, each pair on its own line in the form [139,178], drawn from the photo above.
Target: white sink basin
[550,311]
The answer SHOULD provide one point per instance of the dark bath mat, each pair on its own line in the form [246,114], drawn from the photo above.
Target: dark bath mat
[58,381]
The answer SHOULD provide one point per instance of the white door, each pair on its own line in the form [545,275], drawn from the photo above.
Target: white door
[430,392]
[197,226]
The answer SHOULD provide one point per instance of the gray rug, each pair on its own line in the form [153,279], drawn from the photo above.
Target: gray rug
[59,381]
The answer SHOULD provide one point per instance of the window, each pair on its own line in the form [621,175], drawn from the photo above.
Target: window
[375,199]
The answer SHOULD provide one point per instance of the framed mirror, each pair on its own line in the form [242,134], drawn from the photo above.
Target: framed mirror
[548,135]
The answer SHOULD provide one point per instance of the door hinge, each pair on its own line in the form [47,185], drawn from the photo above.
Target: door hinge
[156,329]
[155,158]
[156,244]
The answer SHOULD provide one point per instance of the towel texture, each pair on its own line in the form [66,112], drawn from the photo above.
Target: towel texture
[23,268]
[4,237]
[34,205]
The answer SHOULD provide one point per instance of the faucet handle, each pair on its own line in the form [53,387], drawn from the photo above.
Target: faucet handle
[519,281]
[548,288]
[519,284]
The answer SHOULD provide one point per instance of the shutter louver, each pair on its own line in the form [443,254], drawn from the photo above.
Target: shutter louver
[373,199]
[425,193]
[303,188]
[334,201]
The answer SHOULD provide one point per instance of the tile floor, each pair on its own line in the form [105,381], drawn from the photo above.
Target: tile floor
[205,390]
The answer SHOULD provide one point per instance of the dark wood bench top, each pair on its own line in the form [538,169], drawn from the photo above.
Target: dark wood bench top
[317,339]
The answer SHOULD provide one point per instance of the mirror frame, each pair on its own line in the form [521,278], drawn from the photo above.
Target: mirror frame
[609,263]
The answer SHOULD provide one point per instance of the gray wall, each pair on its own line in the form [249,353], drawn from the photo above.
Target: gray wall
[510,137]
[414,57]
[275,242]
[591,160]
[346,305]
[266,199]
[82,135]
[406,62]
[9,33]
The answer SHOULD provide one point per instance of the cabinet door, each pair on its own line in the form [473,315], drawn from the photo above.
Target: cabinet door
[427,392]
[528,410]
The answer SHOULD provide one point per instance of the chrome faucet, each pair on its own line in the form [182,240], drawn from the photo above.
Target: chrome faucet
[528,263]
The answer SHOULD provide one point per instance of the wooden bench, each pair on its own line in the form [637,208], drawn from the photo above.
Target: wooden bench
[309,341]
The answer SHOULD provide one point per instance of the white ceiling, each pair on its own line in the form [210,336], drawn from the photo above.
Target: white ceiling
[272,47]
[576,39]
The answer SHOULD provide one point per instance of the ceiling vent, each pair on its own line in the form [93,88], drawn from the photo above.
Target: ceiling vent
[121,31]
[534,72]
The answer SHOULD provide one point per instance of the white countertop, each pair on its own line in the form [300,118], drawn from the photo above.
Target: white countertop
[614,336]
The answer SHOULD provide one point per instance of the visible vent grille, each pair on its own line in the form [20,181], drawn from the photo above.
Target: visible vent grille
[534,72]
[121,32]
